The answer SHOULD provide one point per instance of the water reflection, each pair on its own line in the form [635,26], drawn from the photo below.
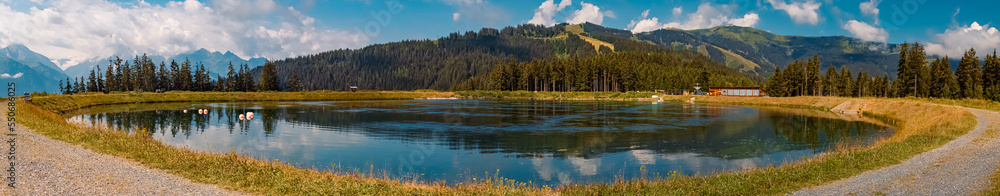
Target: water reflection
[545,142]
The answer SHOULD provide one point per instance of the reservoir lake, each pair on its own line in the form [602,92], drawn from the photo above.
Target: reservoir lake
[541,142]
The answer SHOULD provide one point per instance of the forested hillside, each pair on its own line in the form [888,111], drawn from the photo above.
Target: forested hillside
[447,62]
[760,52]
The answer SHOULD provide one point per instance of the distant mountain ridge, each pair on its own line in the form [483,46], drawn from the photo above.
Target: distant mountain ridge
[215,62]
[31,71]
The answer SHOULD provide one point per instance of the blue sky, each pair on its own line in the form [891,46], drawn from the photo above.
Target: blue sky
[72,31]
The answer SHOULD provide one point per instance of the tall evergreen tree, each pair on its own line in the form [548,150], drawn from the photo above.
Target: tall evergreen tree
[164,82]
[815,80]
[904,74]
[230,84]
[991,77]
[269,78]
[846,82]
[943,79]
[969,75]
[832,83]
[92,82]
[293,83]
[917,64]
[184,74]
[100,81]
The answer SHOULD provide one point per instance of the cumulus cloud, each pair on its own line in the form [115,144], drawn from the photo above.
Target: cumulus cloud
[748,20]
[955,41]
[8,76]
[705,17]
[71,31]
[545,12]
[870,8]
[801,12]
[866,32]
[455,16]
[677,11]
[589,13]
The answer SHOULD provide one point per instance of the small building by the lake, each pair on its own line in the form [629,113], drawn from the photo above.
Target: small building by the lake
[353,89]
[736,91]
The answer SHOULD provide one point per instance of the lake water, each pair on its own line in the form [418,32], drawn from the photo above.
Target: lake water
[542,142]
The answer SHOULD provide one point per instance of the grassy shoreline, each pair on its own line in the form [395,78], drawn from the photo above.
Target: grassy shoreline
[65,103]
[920,127]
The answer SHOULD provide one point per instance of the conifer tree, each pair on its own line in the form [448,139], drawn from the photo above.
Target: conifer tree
[991,77]
[293,83]
[269,78]
[846,82]
[904,75]
[968,75]
[832,83]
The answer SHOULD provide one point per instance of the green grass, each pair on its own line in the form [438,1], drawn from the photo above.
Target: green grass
[920,127]
[64,103]
[555,95]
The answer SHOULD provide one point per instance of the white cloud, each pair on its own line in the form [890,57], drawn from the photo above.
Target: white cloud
[677,11]
[71,31]
[748,20]
[589,13]
[545,12]
[870,8]
[954,42]
[456,16]
[705,17]
[8,76]
[866,32]
[801,12]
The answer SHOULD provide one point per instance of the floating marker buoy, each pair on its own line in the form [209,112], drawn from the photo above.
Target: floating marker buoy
[206,111]
[241,117]
[185,111]
[249,115]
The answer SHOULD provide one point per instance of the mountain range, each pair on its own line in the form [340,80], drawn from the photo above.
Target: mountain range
[441,63]
[215,62]
[32,72]
[751,51]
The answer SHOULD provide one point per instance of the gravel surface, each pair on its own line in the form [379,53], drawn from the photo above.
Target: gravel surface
[960,167]
[49,167]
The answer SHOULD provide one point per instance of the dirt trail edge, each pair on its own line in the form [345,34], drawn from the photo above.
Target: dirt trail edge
[50,167]
[960,167]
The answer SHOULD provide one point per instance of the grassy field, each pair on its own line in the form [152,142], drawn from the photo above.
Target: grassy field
[920,127]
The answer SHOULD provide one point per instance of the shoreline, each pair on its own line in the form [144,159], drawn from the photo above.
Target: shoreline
[889,108]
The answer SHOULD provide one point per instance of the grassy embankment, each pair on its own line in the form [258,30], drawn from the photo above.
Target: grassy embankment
[920,127]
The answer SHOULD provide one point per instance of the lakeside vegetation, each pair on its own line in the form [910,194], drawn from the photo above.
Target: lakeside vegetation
[920,127]
[65,103]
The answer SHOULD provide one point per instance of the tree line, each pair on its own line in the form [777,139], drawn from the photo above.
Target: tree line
[141,74]
[617,71]
[916,76]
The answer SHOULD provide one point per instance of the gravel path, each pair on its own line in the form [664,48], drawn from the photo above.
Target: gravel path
[960,167]
[49,167]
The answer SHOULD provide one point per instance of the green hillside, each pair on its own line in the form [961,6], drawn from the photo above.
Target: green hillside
[762,50]
[447,62]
